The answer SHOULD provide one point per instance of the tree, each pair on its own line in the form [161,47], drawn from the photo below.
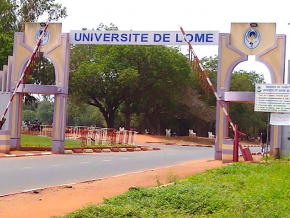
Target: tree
[85,115]
[28,115]
[43,73]
[44,112]
[163,82]
[7,26]
[122,74]
[30,11]
[243,114]
[98,87]
[210,65]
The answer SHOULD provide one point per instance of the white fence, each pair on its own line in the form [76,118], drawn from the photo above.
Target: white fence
[92,135]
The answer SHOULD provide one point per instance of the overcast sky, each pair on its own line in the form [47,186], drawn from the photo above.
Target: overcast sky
[168,15]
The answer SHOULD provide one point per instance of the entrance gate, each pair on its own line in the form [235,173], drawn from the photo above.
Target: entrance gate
[261,40]
[245,39]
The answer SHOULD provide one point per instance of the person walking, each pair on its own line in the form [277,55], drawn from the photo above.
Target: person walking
[264,141]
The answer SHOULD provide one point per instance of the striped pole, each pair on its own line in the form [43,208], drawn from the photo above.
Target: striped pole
[208,80]
[22,75]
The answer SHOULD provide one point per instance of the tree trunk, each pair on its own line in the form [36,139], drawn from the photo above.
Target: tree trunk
[158,125]
[127,115]
[110,120]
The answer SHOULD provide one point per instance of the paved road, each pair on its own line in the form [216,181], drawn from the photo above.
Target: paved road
[24,173]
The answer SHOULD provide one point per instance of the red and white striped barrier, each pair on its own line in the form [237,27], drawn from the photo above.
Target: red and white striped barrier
[208,80]
[23,75]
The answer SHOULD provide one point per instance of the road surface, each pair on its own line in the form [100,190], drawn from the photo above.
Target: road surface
[25,173]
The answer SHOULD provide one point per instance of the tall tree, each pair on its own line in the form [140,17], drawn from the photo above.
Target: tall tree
[122,74]
[31,10]
[7,26]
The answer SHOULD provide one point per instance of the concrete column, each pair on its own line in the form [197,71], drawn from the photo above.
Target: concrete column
[16,119]
[59,123]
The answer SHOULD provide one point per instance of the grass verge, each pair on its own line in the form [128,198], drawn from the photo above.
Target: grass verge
[42,141]
[237,190]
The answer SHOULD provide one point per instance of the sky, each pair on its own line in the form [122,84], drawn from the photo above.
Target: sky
[169,15]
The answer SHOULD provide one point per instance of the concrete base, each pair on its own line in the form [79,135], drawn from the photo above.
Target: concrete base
[5,149]
[88,151]
[68,152]
[5,141]
[57,147]
[137,149]
[218,155]
[15,143]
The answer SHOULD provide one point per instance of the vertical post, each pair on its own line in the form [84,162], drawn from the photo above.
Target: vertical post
[268,131]
[236,143]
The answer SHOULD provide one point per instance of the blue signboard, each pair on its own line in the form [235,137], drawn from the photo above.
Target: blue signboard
[143,37]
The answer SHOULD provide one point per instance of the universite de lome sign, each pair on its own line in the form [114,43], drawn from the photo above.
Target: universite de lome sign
[143,37]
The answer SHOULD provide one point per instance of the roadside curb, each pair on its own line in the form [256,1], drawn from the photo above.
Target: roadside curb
[253,153]
[25,155]
[86,150]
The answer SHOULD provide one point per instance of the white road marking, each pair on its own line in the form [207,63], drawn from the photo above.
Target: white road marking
[125,158]
[55,165]
[106,160]
[26,168]
[84,162]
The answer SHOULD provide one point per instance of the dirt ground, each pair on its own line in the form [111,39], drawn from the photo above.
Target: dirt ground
[61,200]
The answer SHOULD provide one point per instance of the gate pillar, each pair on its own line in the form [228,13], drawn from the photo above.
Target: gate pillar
[261,40]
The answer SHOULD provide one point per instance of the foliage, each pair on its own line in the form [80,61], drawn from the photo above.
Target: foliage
[44,112]
[7,25]
[85,53]
[245,81]
[238,190]
[84,115]
[243,114]
[210,65]
[13,15]
[31,11]
[43,73]
[76,116]
[28,115]
[116,75]
[7,15]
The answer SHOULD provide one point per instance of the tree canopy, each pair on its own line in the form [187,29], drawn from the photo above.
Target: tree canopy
[122,74]
[243,114]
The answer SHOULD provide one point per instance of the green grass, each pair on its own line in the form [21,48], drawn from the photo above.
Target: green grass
[237,190]
[42,141]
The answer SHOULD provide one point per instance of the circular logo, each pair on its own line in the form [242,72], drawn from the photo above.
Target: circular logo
[45,38]
[252,38]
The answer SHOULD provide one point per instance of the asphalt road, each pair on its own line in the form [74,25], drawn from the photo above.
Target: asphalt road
[24,173]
